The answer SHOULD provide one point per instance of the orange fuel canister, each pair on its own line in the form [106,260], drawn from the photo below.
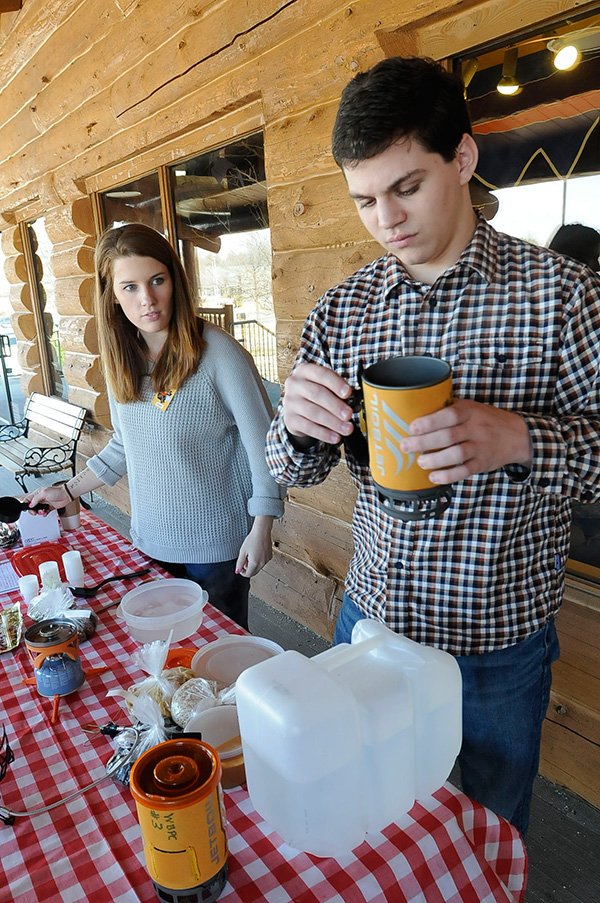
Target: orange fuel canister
[178,799]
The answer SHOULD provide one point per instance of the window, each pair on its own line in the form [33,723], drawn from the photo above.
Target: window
[135,202]
[539,148]
[41,279]
[213,207]
[11,397]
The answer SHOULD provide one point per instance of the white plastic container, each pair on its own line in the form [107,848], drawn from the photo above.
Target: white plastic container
[156,607]
[342,744]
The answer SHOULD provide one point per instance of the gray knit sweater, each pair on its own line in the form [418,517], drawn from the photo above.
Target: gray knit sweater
[197,472]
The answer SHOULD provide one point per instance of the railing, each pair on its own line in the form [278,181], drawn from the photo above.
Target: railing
[260,341]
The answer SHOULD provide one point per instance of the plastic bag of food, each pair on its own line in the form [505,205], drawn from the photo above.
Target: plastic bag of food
[160,684]
[11,627]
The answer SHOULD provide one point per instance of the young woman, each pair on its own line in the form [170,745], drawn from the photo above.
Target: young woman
[190,416]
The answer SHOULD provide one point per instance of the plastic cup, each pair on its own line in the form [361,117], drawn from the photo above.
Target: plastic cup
[28,587]
[73,566]
[49,574]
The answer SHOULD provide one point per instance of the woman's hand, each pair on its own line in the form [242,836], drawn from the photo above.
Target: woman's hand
[257,548]
[53,496]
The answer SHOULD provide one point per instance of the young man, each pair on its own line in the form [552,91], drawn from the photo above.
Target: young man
[521,329]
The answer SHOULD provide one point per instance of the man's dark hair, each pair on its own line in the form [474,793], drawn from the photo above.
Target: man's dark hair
[400,98]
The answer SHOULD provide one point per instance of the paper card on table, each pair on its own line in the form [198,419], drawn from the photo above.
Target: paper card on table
[9,579]
[35,528]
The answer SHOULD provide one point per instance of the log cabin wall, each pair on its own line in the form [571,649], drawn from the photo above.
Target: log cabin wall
[96,93]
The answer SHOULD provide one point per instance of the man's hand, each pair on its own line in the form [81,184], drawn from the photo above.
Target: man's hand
[466,438]
[314,404]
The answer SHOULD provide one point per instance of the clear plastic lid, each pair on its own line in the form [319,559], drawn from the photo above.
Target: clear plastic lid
[163,602]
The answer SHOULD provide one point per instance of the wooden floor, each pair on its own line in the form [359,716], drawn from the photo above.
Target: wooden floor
[563,844]
[563,841]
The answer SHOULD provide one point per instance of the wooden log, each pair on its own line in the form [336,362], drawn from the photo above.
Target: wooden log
[15,269]
[24,326]
[83,370]
[78,334]
[64,52]
[301,276]
[18,130]
[20,298]
[95,403]
[10,241]
[28,355]
[443,34]
[30,32]
[242,120]
[574,715]
[313,214]
[292,586]
[323,542]
[299,144]
[571,760]
[73,257]
[335,497]
[288,341]
[31,381]
[26,197]
[74,295]
[70,222]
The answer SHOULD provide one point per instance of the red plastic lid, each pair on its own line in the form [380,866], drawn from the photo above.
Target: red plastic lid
[27,561]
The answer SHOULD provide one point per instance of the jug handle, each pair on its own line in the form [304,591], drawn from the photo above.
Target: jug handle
[328,661]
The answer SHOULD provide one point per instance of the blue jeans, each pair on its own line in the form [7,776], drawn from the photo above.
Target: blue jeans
[226,590]
[505,697]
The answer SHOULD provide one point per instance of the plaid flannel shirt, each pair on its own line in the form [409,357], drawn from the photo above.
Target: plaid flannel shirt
[521,328]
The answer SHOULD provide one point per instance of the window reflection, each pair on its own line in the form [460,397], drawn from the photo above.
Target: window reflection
[135,202]
[223,237]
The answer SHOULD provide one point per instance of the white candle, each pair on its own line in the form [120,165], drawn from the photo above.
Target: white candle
[73,568]
[49,574]
[28,586]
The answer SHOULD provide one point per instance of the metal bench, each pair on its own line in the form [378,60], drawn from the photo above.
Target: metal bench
[26,458]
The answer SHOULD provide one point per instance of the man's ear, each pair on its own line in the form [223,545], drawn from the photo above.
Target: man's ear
[467,156]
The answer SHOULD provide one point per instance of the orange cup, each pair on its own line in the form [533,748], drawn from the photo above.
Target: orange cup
[177,795]
[396,391]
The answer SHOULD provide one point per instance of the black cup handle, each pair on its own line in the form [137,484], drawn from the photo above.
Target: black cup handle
[356,443]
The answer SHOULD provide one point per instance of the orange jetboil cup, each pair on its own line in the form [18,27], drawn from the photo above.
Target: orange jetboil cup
[178,799]
[396,391]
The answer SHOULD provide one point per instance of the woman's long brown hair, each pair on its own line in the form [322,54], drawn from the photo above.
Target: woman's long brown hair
[123,350]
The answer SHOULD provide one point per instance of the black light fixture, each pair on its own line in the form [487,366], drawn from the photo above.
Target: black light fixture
[469,68]
[508,83]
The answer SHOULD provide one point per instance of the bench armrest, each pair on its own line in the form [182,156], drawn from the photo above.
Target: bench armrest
[13,430]
[43,457]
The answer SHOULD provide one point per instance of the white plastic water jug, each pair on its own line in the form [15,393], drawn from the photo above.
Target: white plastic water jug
[341,744]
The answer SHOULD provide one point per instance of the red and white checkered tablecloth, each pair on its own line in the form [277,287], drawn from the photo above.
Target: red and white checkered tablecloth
[447,848]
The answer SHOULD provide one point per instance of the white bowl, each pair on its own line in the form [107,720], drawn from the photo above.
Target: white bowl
[155,608]
[224,659]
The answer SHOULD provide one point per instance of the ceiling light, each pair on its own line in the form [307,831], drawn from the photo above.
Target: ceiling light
[508,83]
[566,56]
[569,49]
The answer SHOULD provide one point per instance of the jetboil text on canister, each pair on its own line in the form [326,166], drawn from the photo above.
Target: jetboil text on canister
[52,646]
[395,392]
[179,805]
